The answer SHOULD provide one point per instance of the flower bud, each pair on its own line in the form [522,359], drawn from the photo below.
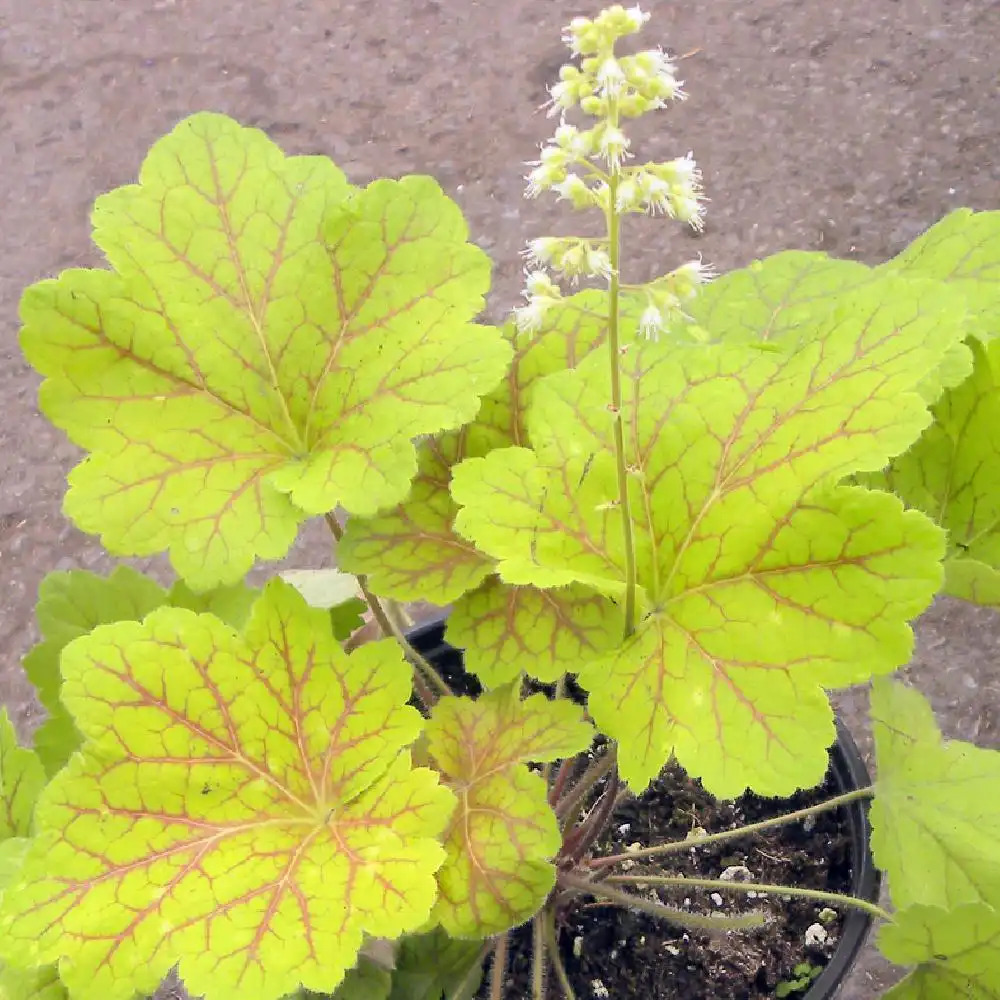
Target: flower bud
[613,146]
[651,323]
[610,78]
[574,189]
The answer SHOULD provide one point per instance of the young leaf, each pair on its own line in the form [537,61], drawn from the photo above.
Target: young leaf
[243,805]
[432,966]
[956,952]
[545,633]
[499,842]
[266,346]
[963,250]
[232,603]
[936,814]
[764,582]
[953,474]
[22,777]
[42,983]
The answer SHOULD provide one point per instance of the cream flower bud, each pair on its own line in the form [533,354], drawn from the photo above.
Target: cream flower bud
[596,107]
[538,283]
[686,279]
[544,177]
[541,251]
[686,206]
[598,263]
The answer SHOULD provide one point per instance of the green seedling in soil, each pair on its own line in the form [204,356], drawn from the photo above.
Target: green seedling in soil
[804,976]
[712,502]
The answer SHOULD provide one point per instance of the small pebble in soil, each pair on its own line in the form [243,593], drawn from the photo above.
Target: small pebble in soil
[578,946]
[737,873]
[600,990]
[816,936]
[716,898]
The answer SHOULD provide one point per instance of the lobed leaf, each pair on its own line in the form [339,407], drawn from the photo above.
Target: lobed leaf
[952,473]
[22,777]
[761,579]
[432,966]
[500,841]
[956,952]
[777,304]
[962,250]
[506,631]
[243,805]
[71,604]
[935,817]
[266,345]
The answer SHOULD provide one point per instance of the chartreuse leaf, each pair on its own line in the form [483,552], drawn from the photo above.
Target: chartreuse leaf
[22,777]
[231,603]
[243,805]
[953,474]
[775,304]
[762,581]
[963,250]
[956,952]
[413,551]
[936,814]
[546,633]
[269,341]
[70,604]
[337,592]
[504,833]
[432,966]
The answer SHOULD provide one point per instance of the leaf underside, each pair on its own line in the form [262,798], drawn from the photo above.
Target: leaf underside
[243,805]
[268,342]
[762,581]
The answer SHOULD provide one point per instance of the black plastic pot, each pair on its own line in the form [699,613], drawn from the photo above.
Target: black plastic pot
[849,772]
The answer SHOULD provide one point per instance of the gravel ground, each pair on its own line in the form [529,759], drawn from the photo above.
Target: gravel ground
[847,127]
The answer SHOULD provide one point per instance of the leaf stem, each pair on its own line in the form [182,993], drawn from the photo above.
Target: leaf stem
[425,678]
[680,881]
[614,361]
[677,846]
[498,971]
[549,917]
[598,768]
[537,958]
[691,921]
[585,835]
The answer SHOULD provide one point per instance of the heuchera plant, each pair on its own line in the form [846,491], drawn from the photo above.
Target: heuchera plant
[711,505]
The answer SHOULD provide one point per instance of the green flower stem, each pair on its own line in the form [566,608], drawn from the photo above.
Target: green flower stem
[549,919]
[599,767]
[681,882]
[498,970]
[537,958]
[677,846]
[614,361]
[690,921]
[425,677]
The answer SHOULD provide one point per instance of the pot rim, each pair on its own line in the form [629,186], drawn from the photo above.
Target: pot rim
[849,772]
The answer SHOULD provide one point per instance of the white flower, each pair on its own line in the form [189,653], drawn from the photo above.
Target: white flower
[613,146]
[651,323]
[541,250]
[610,78]
[539,284]
[636,18]
[599,263]
[544,177]
[655,193]
[690,275]
[627,196]
[529,318]
[686,206]
[574,189]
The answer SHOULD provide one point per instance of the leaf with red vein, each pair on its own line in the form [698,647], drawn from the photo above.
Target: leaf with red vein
[21,779]
[243,805]
[508,630]
[953,475]
[764,581]
[412,552]
[266,345]
[499,844]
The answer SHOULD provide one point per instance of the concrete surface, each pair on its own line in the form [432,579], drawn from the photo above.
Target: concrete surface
[844,126]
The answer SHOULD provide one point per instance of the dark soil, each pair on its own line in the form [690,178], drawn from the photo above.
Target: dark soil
[612,952]
[609,951]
